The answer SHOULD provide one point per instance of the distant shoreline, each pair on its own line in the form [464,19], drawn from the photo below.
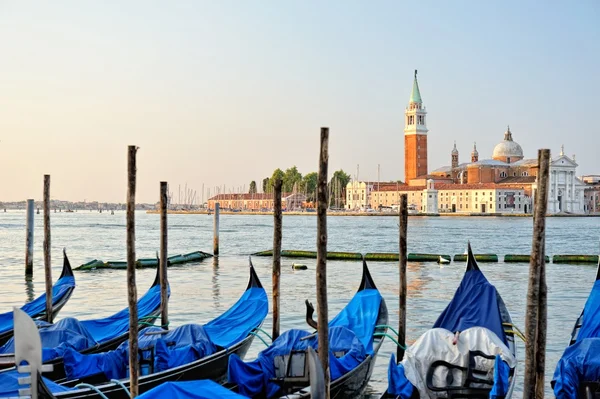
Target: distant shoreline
[371,214]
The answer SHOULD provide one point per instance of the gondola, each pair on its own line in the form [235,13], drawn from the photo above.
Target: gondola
[230,333]
[469,353]
[28,348]
[36,309]
[577,373]
[87,336]
[355,336]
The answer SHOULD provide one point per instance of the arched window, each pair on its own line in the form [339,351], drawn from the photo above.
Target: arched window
[525,173]
[503,174]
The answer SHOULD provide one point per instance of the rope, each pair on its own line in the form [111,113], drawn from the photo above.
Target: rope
[515,330]
[389,327]
[119,383]
[392,338]
[93,388]
[259,337]
[264,332]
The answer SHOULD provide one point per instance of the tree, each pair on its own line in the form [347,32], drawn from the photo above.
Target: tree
[252,187]
[290,178]
[266,182]
[309,184]
[338,183]
[277,174]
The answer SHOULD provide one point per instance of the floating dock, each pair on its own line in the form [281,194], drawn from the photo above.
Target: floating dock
[484,258]
[574,259]
[142,263]
[512,258]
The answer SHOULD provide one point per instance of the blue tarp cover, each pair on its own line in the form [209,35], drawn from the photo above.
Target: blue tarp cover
[38,305]
[398,384]
[177,347]
[475,304]
[590,325]
[501,376]
[580,362]
[203,389]
[351,331]
[9,384]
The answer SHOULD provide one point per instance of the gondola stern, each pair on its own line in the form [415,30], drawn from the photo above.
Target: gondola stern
[254,281]
[366,281]
[67,270]
[471,262]
[598,269]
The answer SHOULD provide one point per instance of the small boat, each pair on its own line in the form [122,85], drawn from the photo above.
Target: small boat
[469,353]
[36,309]
[29,348]
[577,373]
[189,352]
[299,266]
[86,336]
[354,341]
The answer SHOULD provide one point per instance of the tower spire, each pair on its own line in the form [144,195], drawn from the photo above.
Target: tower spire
[415,95]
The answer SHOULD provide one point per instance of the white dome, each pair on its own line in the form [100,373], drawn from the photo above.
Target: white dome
[507,148]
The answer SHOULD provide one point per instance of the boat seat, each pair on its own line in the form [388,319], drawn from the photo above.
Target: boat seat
[473,376]
[589,390]
[291,371]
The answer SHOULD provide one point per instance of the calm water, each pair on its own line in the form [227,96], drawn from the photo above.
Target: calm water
[202,291]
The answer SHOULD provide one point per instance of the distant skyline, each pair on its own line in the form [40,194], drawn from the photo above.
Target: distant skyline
[222,93]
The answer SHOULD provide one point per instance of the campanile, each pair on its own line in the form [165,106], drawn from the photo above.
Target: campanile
[415,136]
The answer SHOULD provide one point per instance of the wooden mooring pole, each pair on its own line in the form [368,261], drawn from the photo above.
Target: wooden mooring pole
[29,239]
[535,318]
[47,247]
[216,230]
[131,285]
[322,205]
[164,282]
[277,223]
[402,271]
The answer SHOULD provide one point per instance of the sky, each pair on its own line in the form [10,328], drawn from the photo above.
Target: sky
[219,93]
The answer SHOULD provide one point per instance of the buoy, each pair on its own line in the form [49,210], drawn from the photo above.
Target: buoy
[443,260]
[299,266]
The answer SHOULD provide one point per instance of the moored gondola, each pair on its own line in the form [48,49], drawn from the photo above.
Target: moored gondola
[469,353]
[87,336]
[577,373]
[355,336]
[36,309]
[174,355]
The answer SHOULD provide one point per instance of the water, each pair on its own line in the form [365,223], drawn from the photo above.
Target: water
[202,291]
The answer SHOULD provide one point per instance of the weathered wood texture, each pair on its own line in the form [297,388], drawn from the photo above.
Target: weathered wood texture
[322,205]
[535,318]
[29,239]
[164,282]
[277,225]
[216,230]
[47,249]
[131,284]
[403,211]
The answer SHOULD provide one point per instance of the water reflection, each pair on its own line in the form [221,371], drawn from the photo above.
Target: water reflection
[216,288]
[29,289]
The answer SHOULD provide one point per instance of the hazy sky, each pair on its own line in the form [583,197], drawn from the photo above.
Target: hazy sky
[223,92]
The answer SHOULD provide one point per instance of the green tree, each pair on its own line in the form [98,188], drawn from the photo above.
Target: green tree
[337,185]
[266,182]
[291,177]
[309,185]
[252,189]
[277,174]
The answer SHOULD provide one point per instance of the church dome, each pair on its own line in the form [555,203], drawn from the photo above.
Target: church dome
[508,150]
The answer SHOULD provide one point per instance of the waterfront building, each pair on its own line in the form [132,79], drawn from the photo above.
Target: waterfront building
[592,199]
[415,135]
[256,201]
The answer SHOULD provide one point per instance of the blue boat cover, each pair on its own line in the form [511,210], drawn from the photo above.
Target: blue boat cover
[501,376]
[590,325]
[202,389]
[9,384]
[580,362]
[475,304]
[350,332]
[398,384]
[38,305]
[177,347]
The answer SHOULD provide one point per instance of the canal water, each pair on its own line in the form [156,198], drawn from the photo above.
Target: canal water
[202,291]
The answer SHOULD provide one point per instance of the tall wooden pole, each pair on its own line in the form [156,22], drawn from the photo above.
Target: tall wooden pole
[277,222]
[216,230]
[322,202]
[131,285]
[29,239]
[47,246]
[164,282]
[402,271]
[535,318]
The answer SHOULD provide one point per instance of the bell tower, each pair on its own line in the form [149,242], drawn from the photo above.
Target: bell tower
[415,136]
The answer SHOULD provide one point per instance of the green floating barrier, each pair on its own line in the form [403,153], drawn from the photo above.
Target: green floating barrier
[381,257]
[148,262]
[312,254]
[511,258]
[116,265]
[478,257]
[91,265]
[575,259]
[195,256]
[412,257]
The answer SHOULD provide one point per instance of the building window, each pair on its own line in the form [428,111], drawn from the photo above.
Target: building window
[525,174]
[503,174]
